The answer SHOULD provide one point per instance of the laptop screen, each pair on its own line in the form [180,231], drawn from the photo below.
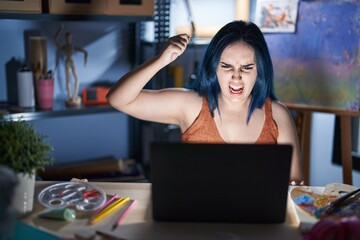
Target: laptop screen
[245,183]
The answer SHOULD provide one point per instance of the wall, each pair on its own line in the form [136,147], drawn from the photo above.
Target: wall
[86,137]
[75,138]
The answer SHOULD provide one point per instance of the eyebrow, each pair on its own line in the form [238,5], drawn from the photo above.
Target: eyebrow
[246,65]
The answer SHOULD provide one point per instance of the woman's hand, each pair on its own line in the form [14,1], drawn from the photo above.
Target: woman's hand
[175,46]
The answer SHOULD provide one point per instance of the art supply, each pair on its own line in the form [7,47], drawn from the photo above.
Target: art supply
[329,209]
[58,213]
[107,203]
[336,200]
[45,93]
[108,210]
[81,195]
[124,213]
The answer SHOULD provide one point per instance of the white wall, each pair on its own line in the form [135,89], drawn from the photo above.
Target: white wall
[322,170]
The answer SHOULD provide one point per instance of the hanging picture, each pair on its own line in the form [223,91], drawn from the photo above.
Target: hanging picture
[276,16]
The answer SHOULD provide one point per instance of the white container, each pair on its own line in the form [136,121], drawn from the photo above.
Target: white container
[25,82]
[23,200]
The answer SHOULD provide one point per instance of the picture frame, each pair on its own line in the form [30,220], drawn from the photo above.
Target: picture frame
[276,16]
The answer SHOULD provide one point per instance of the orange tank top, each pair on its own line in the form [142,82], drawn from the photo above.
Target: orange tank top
[204,130]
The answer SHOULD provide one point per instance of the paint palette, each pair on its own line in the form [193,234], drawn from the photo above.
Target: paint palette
[310,200]
[81,195]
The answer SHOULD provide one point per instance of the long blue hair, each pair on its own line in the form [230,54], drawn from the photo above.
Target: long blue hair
[206,82]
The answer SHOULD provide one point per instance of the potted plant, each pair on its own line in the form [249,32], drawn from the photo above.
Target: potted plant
[25,151]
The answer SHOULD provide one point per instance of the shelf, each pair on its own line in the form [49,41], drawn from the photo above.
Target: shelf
[59,110]
[195,42]
[73,17]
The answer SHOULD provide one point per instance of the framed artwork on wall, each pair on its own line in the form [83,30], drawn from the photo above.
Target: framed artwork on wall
[276,16]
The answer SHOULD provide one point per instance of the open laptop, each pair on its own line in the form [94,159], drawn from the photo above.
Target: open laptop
[238,183]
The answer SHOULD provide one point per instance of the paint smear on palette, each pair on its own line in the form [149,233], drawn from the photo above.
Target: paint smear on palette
[308,200]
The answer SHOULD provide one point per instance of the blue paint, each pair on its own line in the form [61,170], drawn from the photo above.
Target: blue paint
[303,199]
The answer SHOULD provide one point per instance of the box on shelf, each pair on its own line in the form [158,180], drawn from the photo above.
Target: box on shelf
[20,6]
[90,7]
[130,7]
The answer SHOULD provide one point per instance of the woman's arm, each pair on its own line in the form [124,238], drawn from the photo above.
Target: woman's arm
[128,95]
[288,135]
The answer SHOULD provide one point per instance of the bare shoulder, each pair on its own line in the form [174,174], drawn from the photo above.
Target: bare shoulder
[281,114]
[279,107]
[189,102]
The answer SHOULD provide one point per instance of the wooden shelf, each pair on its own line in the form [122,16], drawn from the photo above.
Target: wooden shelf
[59,110]
[72,17]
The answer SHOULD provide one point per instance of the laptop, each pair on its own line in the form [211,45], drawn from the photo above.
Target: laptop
[232,183]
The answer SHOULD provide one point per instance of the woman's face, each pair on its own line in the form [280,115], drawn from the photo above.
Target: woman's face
[237,72]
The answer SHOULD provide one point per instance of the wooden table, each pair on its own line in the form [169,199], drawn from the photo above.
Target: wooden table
[138,224]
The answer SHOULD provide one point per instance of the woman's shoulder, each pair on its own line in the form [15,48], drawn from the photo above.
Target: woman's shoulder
[189,103]
[279,107]
[280,111]
[192,98]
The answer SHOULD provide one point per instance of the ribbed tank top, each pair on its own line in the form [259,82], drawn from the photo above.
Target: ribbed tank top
[204,130]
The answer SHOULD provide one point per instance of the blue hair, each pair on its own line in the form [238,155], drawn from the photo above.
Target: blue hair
[206,82]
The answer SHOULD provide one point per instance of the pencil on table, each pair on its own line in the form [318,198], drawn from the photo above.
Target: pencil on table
[123,215]
[113,197]
[109,209]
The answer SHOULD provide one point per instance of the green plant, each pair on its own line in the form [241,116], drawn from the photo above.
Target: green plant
[21,148]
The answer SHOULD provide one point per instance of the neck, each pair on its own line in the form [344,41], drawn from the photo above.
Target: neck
[236,107]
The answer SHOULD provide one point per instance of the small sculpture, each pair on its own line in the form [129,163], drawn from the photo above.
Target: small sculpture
[68,50]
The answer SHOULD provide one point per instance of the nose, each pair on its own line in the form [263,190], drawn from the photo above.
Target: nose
[237,74]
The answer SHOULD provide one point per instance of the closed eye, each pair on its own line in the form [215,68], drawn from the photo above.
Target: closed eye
[225,65]
[247,67]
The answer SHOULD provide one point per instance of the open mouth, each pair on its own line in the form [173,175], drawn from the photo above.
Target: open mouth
[236,89]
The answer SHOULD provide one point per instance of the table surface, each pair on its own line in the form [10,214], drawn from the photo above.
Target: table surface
[138,224]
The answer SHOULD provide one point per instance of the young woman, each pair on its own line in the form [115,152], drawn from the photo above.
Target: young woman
[232,99]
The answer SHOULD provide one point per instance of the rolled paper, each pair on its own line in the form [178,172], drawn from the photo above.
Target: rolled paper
[242,10]
[38,55]
[58,213]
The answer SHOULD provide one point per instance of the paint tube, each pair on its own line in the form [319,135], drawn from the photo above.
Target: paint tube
[58,213]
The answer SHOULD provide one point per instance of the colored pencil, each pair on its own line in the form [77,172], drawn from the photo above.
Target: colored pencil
[109,209]
[123,214]
[113,197]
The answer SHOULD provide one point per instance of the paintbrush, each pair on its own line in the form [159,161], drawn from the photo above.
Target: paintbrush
[334,205]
